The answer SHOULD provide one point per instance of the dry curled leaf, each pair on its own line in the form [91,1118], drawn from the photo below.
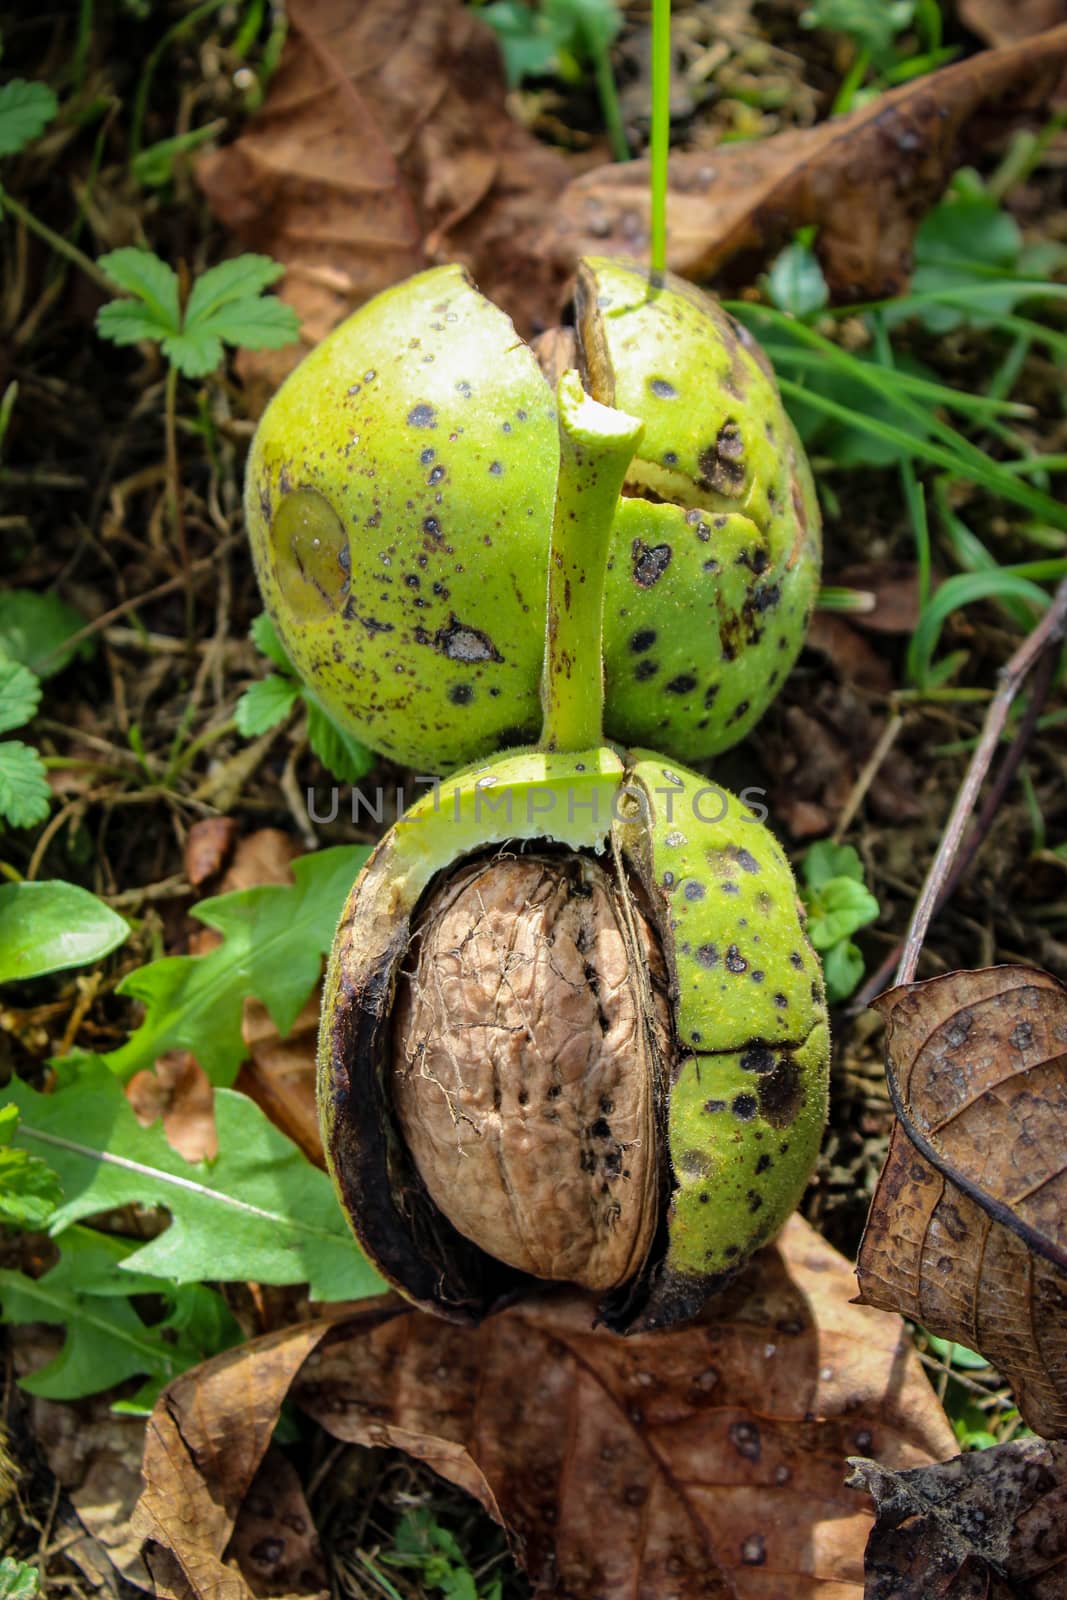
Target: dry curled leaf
[385,145]
[704,1462]
[280,1073]
[208,848]
[990,1525]
[1004,21]
[865,180]
[967,1232]
[180,1092]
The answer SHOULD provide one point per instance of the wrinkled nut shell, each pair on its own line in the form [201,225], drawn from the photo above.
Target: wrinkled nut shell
[527,1044]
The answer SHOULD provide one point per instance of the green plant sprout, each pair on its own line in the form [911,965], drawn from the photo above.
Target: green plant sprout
[271,700]
[874,28]
[226,305]
[563,36]
[838,903]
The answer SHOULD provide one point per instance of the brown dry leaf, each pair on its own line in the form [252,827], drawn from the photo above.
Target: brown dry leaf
[280,1077]
[208,847]
[967,1232]
[704,1462]
[865,179]
[385,145]
[275,1543]
[259,858]
[1005,21]
[204,1444]
[179,1091]
[895,588]
[992,1524]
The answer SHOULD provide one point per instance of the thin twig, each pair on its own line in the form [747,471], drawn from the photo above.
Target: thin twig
[872,767]
[940,879]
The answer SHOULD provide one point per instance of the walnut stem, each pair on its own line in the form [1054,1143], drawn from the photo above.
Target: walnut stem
[596,447]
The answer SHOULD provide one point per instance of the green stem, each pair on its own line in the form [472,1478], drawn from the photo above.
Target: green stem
[659,143]
[596,447]
[61,246]
[174,489]
[610,109]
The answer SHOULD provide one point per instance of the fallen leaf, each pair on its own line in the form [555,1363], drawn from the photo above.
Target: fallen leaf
[208,847]
[275,1543]
[989,1524]
[703,1462]
[260,858]
[967,1231]
[865,179]
[204,1444]
[852,657]
[179,1091]
[1002,22]
[280,1076]
[385,145]
[895,588]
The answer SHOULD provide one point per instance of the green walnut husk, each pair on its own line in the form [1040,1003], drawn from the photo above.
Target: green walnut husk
[572,1026]
[399,503]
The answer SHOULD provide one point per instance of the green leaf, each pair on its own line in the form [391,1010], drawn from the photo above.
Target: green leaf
[252,323]
[24,792]
[142,274]
[34,629]
[245,277]
[20,694]
[87,1292]
[795,282]
[842,968]
[837,909]
[51,925]
[128,322]
[29,1189]
[528,42]
[872,25]
[195,353]
[339,751]
[826,860]
[260,1211]
[26,109]
[18,1580]
[274,940]
[263,636]
[264,704]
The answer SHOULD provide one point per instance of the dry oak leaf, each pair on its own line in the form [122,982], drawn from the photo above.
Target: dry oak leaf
[865,179]
[967,1231]
[384,145]
[991,1525]
[705,1462]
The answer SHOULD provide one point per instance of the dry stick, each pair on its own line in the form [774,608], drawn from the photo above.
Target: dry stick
[945,872]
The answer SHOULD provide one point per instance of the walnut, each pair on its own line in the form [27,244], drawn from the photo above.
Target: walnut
[525,1057]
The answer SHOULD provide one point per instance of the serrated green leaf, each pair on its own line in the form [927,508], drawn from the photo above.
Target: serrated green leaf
[18,1580]
[34,629]
[20,694]
[836,909]
[826,860]
[274,937]
[263,635]
[51,925]
[129,322]
[195,353]
[253,323]
[244,277]
[260,1211]
[152,281]
[87,1292]
[26,109]
[264,704]
[24,792]
[842,969]
[339,751]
